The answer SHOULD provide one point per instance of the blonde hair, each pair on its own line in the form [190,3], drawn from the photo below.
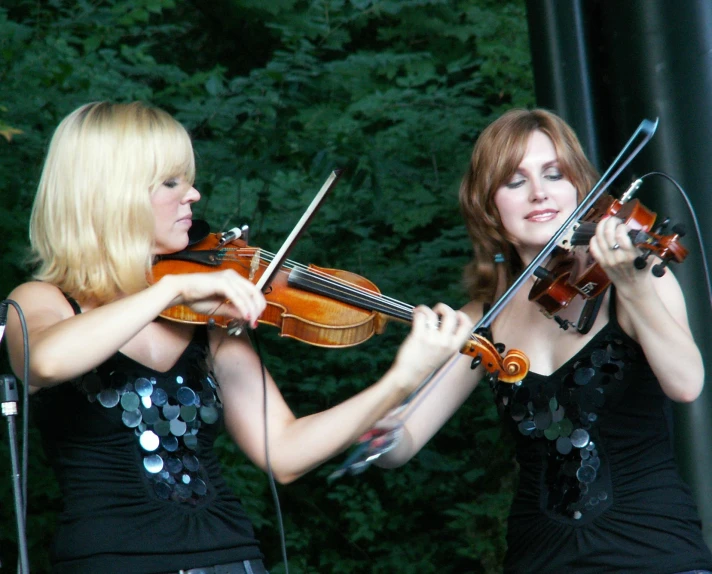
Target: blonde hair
[496,156]
[92,225]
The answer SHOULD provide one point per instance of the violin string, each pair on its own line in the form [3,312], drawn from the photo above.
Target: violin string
[354,289]
[375,297]
[357,294]
[397,308]
[343,286]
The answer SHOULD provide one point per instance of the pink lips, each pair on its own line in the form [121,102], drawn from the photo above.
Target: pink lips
[541,215]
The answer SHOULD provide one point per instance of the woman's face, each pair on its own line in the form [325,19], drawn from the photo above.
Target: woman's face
[173,215]
[537,199]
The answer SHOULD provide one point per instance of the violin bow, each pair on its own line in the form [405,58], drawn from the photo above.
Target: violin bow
[235,327]
[380,439]
[641,136]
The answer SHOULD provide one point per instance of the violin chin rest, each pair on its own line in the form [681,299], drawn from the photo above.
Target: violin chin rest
[198,231]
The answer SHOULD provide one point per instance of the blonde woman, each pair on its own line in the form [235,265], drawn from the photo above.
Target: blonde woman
[129,404]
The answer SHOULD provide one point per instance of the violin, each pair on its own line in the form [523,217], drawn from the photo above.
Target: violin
[315,305]
[555,288]
[637,141]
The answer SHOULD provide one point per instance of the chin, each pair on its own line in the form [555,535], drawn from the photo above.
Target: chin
[173,246]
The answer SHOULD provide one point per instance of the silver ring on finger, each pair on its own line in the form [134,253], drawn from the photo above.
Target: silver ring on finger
[615,246]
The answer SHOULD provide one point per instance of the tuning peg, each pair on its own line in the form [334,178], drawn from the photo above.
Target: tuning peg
[641,261]
[544,274]
[661,226]
[659,269]
[679,229]
[476,361]
[563,323]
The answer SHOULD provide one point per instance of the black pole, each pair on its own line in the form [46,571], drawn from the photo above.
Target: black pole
[9,398]
[558,35]
[659,62]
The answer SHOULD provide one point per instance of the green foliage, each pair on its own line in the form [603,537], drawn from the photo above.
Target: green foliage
[276,95]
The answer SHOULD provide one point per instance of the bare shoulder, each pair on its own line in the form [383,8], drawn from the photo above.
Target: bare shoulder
[33,288]
[474,310]
[41,306]
[38,297]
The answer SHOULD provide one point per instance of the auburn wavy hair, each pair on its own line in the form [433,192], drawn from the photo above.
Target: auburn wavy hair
[495,158]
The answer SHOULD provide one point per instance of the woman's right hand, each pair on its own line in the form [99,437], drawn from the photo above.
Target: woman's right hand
[436,335]
[224,293]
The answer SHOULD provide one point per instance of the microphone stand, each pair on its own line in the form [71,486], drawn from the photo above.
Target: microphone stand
[9,398]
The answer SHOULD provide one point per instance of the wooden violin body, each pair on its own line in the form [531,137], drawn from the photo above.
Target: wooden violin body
[318,306]
[308,317]
[568,278]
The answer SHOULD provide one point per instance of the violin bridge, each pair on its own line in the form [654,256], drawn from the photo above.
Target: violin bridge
[254,264]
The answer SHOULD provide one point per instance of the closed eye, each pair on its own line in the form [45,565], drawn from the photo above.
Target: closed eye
[515,184]
[552,173]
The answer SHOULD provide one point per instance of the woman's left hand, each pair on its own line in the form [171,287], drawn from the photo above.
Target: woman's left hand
[614,251]
[651,310]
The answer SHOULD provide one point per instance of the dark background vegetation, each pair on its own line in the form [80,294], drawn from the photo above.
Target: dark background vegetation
[277,93]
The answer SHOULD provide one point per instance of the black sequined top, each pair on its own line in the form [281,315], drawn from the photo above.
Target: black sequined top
[599,490]
[141,485]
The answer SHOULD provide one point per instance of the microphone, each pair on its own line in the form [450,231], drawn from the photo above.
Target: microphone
[8,395]
[3,317]
[628,193]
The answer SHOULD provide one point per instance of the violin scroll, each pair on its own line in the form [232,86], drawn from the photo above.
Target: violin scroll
[510,368]
[666,248]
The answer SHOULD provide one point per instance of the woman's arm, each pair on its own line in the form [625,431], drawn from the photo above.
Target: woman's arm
[64,345]
[652,310]
[297,445]
[449,393]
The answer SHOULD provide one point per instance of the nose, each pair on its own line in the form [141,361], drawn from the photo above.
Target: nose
[537,189]
[191,196]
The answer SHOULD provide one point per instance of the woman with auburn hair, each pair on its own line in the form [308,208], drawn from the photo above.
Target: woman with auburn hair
[129,404]
[598,490]
[501,148]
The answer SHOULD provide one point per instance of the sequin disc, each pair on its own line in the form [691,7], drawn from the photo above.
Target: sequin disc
[149,441]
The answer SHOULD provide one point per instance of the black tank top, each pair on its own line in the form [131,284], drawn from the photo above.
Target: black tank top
[141,484]
[599,490]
